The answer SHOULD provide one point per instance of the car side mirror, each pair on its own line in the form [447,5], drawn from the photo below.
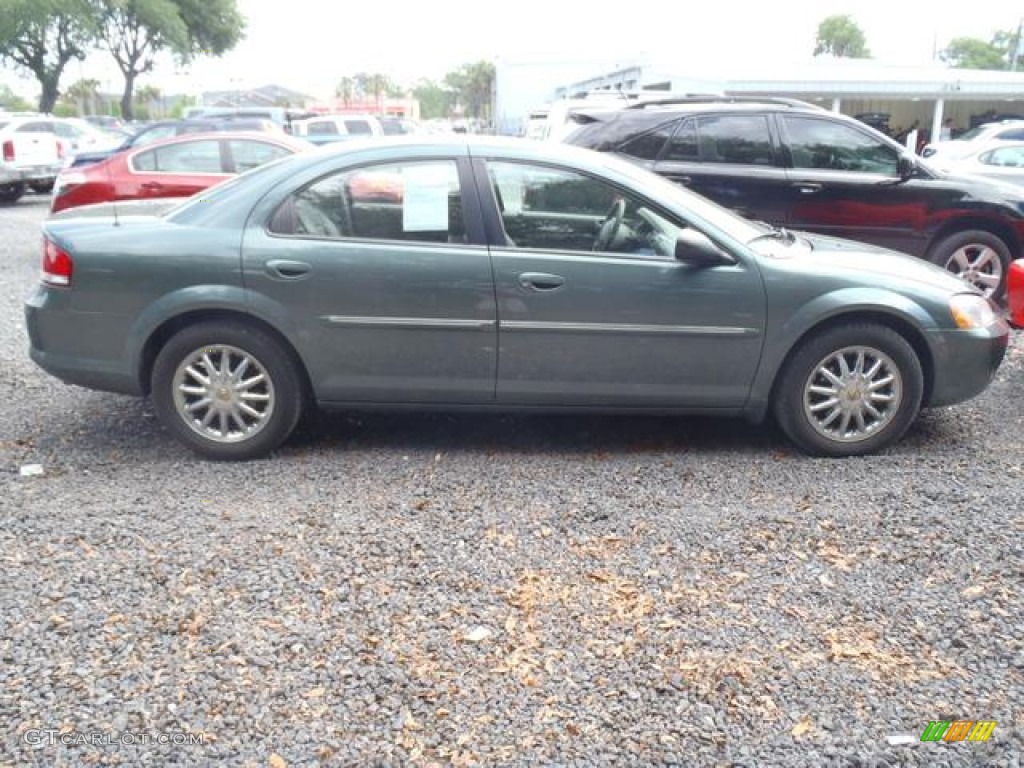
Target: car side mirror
[697,249]
[906,166]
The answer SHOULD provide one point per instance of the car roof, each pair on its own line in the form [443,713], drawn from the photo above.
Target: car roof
[282,139]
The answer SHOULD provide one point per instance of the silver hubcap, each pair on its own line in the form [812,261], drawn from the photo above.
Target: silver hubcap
[223,393]
[852,394]
[979,265]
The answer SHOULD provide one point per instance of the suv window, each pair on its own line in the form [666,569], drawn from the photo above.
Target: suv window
[322,128]
[742,139]
[358,127]
[1011,134]
[830,145]
[418,201]
[684,143]
[647,146]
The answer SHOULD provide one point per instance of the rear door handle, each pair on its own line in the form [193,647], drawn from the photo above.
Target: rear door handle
[541,281]
[287,270]
[808,187]
[152,185]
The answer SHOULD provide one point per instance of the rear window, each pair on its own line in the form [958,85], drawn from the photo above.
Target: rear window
[357,127]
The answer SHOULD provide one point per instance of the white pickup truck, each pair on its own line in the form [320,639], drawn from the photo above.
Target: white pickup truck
[31,155]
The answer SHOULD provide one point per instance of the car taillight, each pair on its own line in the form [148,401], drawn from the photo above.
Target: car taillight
[57,265]
[9,151]
[1015,293]
[60,149]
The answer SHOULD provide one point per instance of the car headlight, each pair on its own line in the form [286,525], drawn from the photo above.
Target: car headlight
[972,311]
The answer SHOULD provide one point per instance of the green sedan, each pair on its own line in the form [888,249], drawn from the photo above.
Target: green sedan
[495,274]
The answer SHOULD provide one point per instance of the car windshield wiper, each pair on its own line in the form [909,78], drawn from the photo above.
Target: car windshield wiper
[776,233]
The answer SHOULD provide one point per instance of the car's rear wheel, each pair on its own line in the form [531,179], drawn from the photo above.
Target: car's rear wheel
[228,390]
[849,391]
[11,193]
[42,187]
[978,257]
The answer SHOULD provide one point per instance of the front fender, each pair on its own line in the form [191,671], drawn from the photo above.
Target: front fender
[786,329]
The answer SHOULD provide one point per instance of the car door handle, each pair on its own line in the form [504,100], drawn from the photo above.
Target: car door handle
[684,180]
[541,281]
[152,185]
[808,187]
[287,270]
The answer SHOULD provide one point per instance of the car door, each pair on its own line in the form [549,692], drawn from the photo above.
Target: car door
[383,280]
[179,169]
[845,182]
[624,325]
[731,158]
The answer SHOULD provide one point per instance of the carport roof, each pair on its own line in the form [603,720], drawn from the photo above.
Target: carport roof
[861,78]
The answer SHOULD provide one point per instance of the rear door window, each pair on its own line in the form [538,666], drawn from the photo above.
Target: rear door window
[648,146]
[735,139]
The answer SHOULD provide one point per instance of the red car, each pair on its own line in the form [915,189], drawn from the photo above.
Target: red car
[1015,293]
[177,167]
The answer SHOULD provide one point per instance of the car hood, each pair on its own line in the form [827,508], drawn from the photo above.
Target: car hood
[832,253]
[154,207]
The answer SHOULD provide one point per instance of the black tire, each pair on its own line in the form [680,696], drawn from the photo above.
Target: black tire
[802,411]
[42,188]
[11,193]
[279,395]
[968,254]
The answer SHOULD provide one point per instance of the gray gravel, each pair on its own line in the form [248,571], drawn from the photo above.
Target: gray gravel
[489,590]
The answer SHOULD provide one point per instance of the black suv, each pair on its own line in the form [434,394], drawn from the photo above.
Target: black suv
[795,165]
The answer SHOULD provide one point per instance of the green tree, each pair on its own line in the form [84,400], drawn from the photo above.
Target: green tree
[373,85]
[473,85]
[135,31]
[11,101]
[42,36]
[972,53]
[841,37]
[146,98]
[84,95]
[346,90]
[435,100]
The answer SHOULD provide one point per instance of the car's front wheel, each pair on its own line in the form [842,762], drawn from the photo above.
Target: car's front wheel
[228,390]
[42,187]
[849,391]
[978,257]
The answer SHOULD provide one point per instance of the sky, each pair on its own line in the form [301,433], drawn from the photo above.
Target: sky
[309,45]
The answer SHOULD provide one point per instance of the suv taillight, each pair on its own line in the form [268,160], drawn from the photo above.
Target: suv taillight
[57,265]
[9,151]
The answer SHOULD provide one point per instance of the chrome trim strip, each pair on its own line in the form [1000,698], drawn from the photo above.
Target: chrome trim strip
[682,330]
[408,322]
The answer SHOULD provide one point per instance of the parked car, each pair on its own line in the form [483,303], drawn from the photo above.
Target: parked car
[31,155]
[1015,293]
[327,129]
[1000,160]
[795,165]
[176,167]
[165,129]
[511,274]
[108,122]
[1001,130]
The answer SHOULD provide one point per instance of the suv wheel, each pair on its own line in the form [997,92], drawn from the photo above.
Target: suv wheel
[11,193]
[227,390]
[849,391]
[978,257]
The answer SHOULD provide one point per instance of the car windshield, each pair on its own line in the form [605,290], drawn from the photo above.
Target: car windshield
[182,208]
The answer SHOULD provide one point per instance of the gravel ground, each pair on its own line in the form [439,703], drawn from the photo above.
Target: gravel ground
[487,590]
